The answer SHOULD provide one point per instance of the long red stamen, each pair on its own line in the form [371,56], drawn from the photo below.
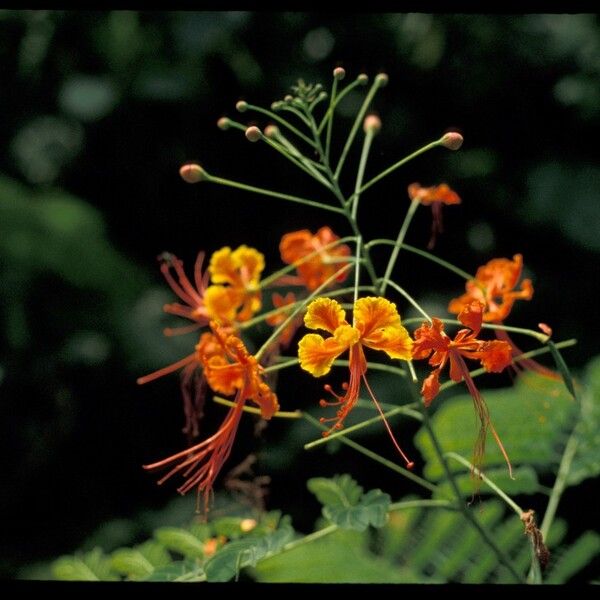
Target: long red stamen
[166,370]
[409,463]
[484,418]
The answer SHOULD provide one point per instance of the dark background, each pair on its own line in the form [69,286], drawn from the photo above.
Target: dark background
[99,110]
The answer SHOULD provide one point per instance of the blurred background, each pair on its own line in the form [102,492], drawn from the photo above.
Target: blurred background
[99,110]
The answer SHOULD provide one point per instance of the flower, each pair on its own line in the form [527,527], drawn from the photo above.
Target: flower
[229,368]
[432,342]
[296,246]
[235,295]
[494,285]
[376,325]
[435,196]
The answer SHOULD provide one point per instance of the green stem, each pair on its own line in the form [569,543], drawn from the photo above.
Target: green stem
[361,170]
[357,123]
[402,291]
[347,430]
[281,121]
[397,165]
[330,120]
[333,106]
[410,213]
[376,457]
[509,501]
[277,332]
[282,365]
[298,160]
[424,254]
[483,532]
[264,192]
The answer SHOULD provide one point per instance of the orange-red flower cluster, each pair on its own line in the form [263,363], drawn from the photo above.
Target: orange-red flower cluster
[229,368]
[432,342]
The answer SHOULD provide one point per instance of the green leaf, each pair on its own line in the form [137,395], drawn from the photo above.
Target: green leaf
[181,570]
[340,490]
[587,459]
[574,558]
[131,563]
[180,541]
[532,419]
[371,510]
[155,553]
[226,563]
[342,557]
[91,566]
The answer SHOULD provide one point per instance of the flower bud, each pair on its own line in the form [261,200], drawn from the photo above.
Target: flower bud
[253,134]
[452,140]
[546,329]
[223,123]
[363,79]
[288,98]
[192,173]
[271,131]
[382,79]
[247,525]
[276,105]
[339,73]
[241,106]
[372,123]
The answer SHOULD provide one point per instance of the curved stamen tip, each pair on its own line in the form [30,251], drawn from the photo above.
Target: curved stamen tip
[410,465]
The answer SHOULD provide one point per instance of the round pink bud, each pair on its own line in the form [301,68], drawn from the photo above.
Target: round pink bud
[382,79]
[363,79]
[253,134]
[223,123]
[339,73]
[271,131]
[372,123]
[241,106]
[192,173]
[452,140]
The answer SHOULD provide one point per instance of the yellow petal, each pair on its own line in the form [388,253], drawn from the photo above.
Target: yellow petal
[379,323]
[375,313]
[394,341]
[317,354]
[324,313]
[222,302]
[250,263]
[222,267]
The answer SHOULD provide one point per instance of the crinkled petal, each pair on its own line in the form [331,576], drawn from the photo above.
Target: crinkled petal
[431,386]
[325,313]
[250,263]
[471,316]
[374,313]
[429,338]
[495,356]
[317,354]
[223,302]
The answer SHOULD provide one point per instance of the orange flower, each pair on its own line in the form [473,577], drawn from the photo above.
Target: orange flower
[313,272]
[276,319]
[229,368]
[236,273]
[435,196]
[494,285]
[376,325]
[431,342]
